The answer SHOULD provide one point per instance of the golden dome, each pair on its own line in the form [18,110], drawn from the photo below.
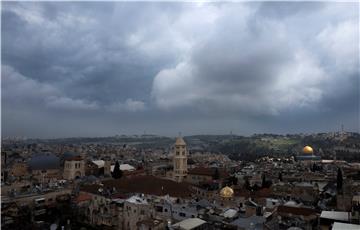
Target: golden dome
[308,150]
[226,192]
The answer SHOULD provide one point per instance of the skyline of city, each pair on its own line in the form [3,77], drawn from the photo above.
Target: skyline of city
[180,115]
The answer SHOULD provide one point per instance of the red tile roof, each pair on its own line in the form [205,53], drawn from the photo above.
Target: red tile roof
[75,158]
[82,197]
[207,172]
[143,184]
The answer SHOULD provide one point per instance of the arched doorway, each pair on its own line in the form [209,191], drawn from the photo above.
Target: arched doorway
[77,174]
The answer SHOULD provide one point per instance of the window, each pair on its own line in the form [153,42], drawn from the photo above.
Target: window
[182,214]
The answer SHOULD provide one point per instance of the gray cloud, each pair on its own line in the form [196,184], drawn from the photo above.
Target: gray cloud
[255,64]
[107,68]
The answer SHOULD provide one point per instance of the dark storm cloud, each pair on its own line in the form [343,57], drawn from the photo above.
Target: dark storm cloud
[79,47]
[106,68]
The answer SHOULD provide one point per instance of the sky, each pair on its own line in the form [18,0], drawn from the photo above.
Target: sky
[71,69]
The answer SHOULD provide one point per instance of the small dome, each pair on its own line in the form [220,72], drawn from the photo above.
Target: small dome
[308,150]
[180,141]
[70,155]
[226,192]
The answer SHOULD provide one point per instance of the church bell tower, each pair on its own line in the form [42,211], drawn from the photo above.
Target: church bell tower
[180,160]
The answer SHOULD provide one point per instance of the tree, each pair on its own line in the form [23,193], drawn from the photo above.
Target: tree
[234,180]
[247,184]
[313,167]
[255,187]
[339,181]
[216,175]
[263,183]
[117,173]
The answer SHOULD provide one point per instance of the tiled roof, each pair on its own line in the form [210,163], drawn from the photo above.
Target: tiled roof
[207,172]
[82,197]
[296,210]
[144,184]
[75,158]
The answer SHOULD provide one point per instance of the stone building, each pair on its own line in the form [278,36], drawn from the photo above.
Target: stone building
[136,209]
[74,168]
[129,203]
[19,169]
[107,167]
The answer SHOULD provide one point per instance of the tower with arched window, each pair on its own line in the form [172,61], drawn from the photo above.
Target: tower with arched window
[74,168]
[180,160]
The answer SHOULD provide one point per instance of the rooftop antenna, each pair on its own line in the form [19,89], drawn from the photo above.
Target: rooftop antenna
[342,134]
[232,142]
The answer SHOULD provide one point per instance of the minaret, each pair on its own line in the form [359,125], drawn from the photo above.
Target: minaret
[180,160]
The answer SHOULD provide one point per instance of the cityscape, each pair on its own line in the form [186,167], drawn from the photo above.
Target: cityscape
[180,115]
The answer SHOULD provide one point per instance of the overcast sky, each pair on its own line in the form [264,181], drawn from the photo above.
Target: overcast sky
[100,69]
